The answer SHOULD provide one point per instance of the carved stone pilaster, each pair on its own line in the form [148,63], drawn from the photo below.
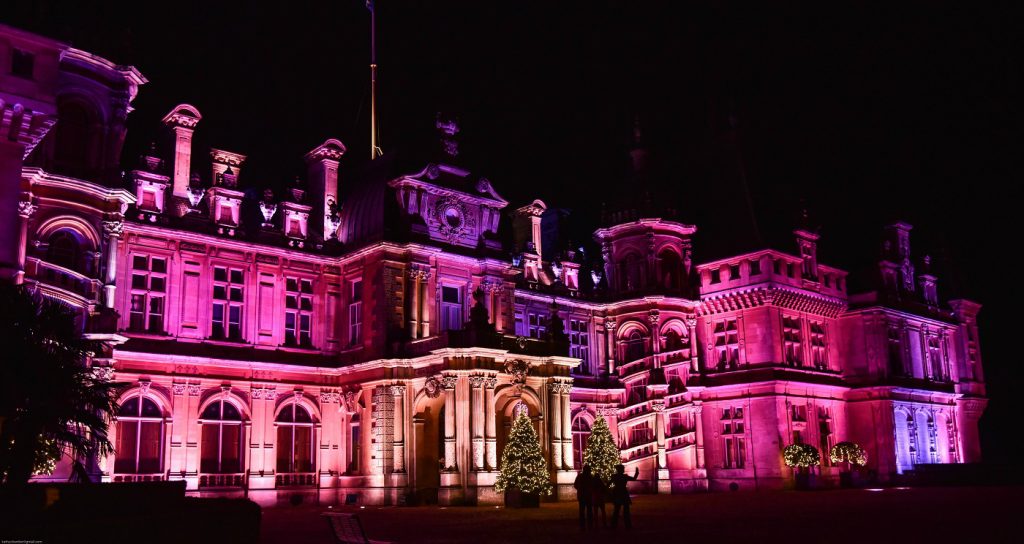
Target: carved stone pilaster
[178,389]
[26,209]
[113,228]
[194,390]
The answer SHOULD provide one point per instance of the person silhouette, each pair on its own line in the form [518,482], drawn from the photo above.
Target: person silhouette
[583,483]
[620,495]
[598,496]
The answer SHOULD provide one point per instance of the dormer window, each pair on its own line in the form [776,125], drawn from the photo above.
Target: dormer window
[148,201]
[22,63]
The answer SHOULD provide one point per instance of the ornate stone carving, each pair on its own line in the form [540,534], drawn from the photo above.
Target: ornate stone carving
[432,388]
[103,373]
[178,389]
[398,389]
[609,324]
[658,406]
[654,316]
[194,389]
[490,382]
[327,397]
[453,218]
[691,321]
[476,381]
[144,386]
[607,411]
[518,369]
[351,401]
[26,209]
[448,381]
[113,228]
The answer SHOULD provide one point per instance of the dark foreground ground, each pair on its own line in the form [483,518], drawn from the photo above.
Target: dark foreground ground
[932,515]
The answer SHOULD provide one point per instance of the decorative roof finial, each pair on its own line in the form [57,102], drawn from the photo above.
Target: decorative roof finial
[448,128]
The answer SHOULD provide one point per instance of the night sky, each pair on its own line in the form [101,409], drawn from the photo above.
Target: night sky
[860,114]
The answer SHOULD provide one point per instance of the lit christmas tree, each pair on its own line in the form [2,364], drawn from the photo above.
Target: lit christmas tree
[601,454]
[523,466]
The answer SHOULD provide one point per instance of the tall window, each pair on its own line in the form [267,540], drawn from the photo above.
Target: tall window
[355,446]
[825,438]
[298,312]
[22,63]
[64,250]
[537,325]
[727,344]
[633,272]
[294,440]
[355,312]
[792,340]
[580,435]
[733,438]
[451,308]
[895,352]
[149,290]
[222,439]
[641,433]
[679,422]
[634,346]
[228,301]
[637,391]
[579,343]
[818,352]
[935,358]
[140,436]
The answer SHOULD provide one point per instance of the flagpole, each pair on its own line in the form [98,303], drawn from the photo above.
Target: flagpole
[373,80]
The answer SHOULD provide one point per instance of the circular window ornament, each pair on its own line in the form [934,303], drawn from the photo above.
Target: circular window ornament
[452,218]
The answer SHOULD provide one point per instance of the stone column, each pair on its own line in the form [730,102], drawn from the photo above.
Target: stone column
[414,306]
[478,417]
[399,427]
[490,424]
[691,326]
[448,382]
[424,314]
[555,417]
[664,480]
[25,210]
[567,454]
[698,409]
[113,230]
[609,328]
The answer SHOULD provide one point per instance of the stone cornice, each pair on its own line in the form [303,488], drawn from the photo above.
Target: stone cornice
[741,299]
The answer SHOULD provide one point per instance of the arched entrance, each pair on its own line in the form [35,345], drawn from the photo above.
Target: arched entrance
[429,427]
[507,408]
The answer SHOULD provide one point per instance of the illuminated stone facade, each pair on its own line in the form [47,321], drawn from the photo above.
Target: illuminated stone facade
[374,337]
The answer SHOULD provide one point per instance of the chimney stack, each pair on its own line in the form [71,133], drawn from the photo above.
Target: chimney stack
[182,120]
[526,227]
[322,164]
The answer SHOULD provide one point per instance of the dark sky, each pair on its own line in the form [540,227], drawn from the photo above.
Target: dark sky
[861,114]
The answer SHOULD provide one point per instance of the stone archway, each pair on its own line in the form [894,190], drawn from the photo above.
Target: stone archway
[506,408]
[428,422]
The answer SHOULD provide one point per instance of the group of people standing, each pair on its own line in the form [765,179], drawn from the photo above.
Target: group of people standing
[592,493]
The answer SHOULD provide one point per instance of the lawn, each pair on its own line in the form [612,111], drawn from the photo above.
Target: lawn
[976,514]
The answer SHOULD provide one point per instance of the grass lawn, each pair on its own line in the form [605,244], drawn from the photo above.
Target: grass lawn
[965,514]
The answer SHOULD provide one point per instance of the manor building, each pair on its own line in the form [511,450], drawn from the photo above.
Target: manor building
[375,336]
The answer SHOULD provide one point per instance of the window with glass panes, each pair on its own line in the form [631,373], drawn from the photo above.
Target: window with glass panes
[355,312]
[818,352]
[935,358]
[294,439]
[894,336]
[536,325]
[148,294]
[140,436]
[228,302]
[727,343]
[579,342]
[825,437]
[451,308]
[298,312]
[733,438]
[222,439]
[792,340]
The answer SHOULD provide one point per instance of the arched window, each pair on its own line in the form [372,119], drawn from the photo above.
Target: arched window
[925,427]
[580,435]
[670,270]
[222,439]
[294,440]
[634,346]
[674,341]
[140,437]
[64,250]
[632,273]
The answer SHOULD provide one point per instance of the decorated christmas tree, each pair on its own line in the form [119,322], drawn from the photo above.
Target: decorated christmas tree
[601,454]
[523,466]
